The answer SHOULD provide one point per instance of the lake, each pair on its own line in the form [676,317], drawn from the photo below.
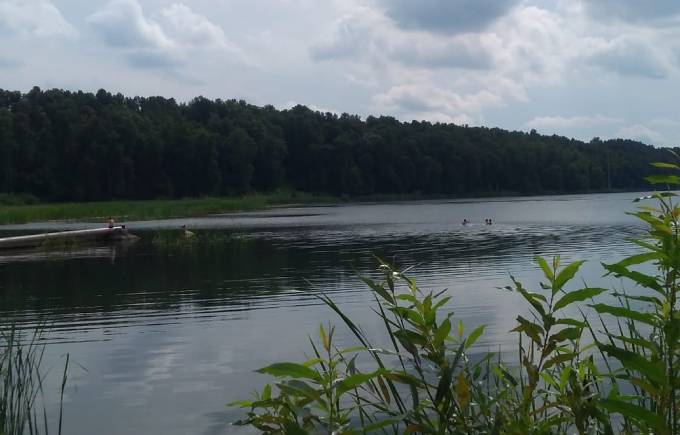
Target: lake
[162,337]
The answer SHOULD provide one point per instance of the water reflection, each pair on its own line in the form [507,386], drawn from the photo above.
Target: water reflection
[170,334]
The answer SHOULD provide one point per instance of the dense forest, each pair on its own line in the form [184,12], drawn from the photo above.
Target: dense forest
[59,145]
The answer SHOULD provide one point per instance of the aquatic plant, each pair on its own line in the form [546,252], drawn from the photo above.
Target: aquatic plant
[612,369]
[22,409]
[149,209]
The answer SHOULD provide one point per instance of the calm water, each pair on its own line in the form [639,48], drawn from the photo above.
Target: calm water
[162,338]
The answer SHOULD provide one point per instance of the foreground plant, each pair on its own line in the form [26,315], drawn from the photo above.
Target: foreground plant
[571,374]
[21,383]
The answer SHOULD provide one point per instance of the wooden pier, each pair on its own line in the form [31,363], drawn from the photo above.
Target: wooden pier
[37,240]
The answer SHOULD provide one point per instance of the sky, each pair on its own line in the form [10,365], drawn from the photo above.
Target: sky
[579,68]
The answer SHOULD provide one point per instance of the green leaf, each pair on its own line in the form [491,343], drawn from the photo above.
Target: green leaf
[409,298]
[267,392]
[567,334]
[639,259]
[578,296]
[663,179]
[566,274]
[443,387]
[406,336]
[531,329]
[633,361]
[292,370]
[383,423]
[664,165]
[404,378]
[636,412]
[564,376]
[378,289]
[624,312]
[640,278]
[546,269]
[558,359]
[474,336]
[299,388]
[292,428]
[530,297]
[442,332]
[571,322]
[352,382]
[441,303]
[649,299]
[324,338]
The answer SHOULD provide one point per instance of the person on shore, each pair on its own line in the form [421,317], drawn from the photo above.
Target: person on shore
[186,233]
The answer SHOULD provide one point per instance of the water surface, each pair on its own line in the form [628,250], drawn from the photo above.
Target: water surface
[163,337]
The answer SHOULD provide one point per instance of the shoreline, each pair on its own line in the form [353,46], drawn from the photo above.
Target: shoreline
[155,209]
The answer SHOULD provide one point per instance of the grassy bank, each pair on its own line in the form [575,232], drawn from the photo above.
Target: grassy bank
[18,209]
[151,209]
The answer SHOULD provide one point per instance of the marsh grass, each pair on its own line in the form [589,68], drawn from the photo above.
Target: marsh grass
[151,209]
[22,409]
[569,375]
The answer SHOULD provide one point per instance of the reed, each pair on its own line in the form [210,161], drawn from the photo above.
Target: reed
[22,408]
[150,209]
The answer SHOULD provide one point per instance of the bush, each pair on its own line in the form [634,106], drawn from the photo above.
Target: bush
[570,375]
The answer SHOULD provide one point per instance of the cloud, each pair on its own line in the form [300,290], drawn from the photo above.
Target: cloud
[633,10]
[121,23]
[425,101]
[34,18]
[156,43]
[561,122]
[446,16]
[463,52]
[630,57]
[193,30]
[350,37]
[641,133]
[367,36]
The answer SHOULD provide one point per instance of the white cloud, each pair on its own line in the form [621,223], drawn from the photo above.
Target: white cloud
[191,29]
[633,57]
[561,122]
[415,101]
[34,18]
[149,42]
[642,133]
[597,66]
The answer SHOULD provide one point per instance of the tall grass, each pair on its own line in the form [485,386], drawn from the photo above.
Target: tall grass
[569,375]
[146,210]
[22,409]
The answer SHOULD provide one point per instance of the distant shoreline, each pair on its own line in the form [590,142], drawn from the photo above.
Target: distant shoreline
[141,210]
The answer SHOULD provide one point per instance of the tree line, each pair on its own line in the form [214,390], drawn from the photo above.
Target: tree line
[75,146]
